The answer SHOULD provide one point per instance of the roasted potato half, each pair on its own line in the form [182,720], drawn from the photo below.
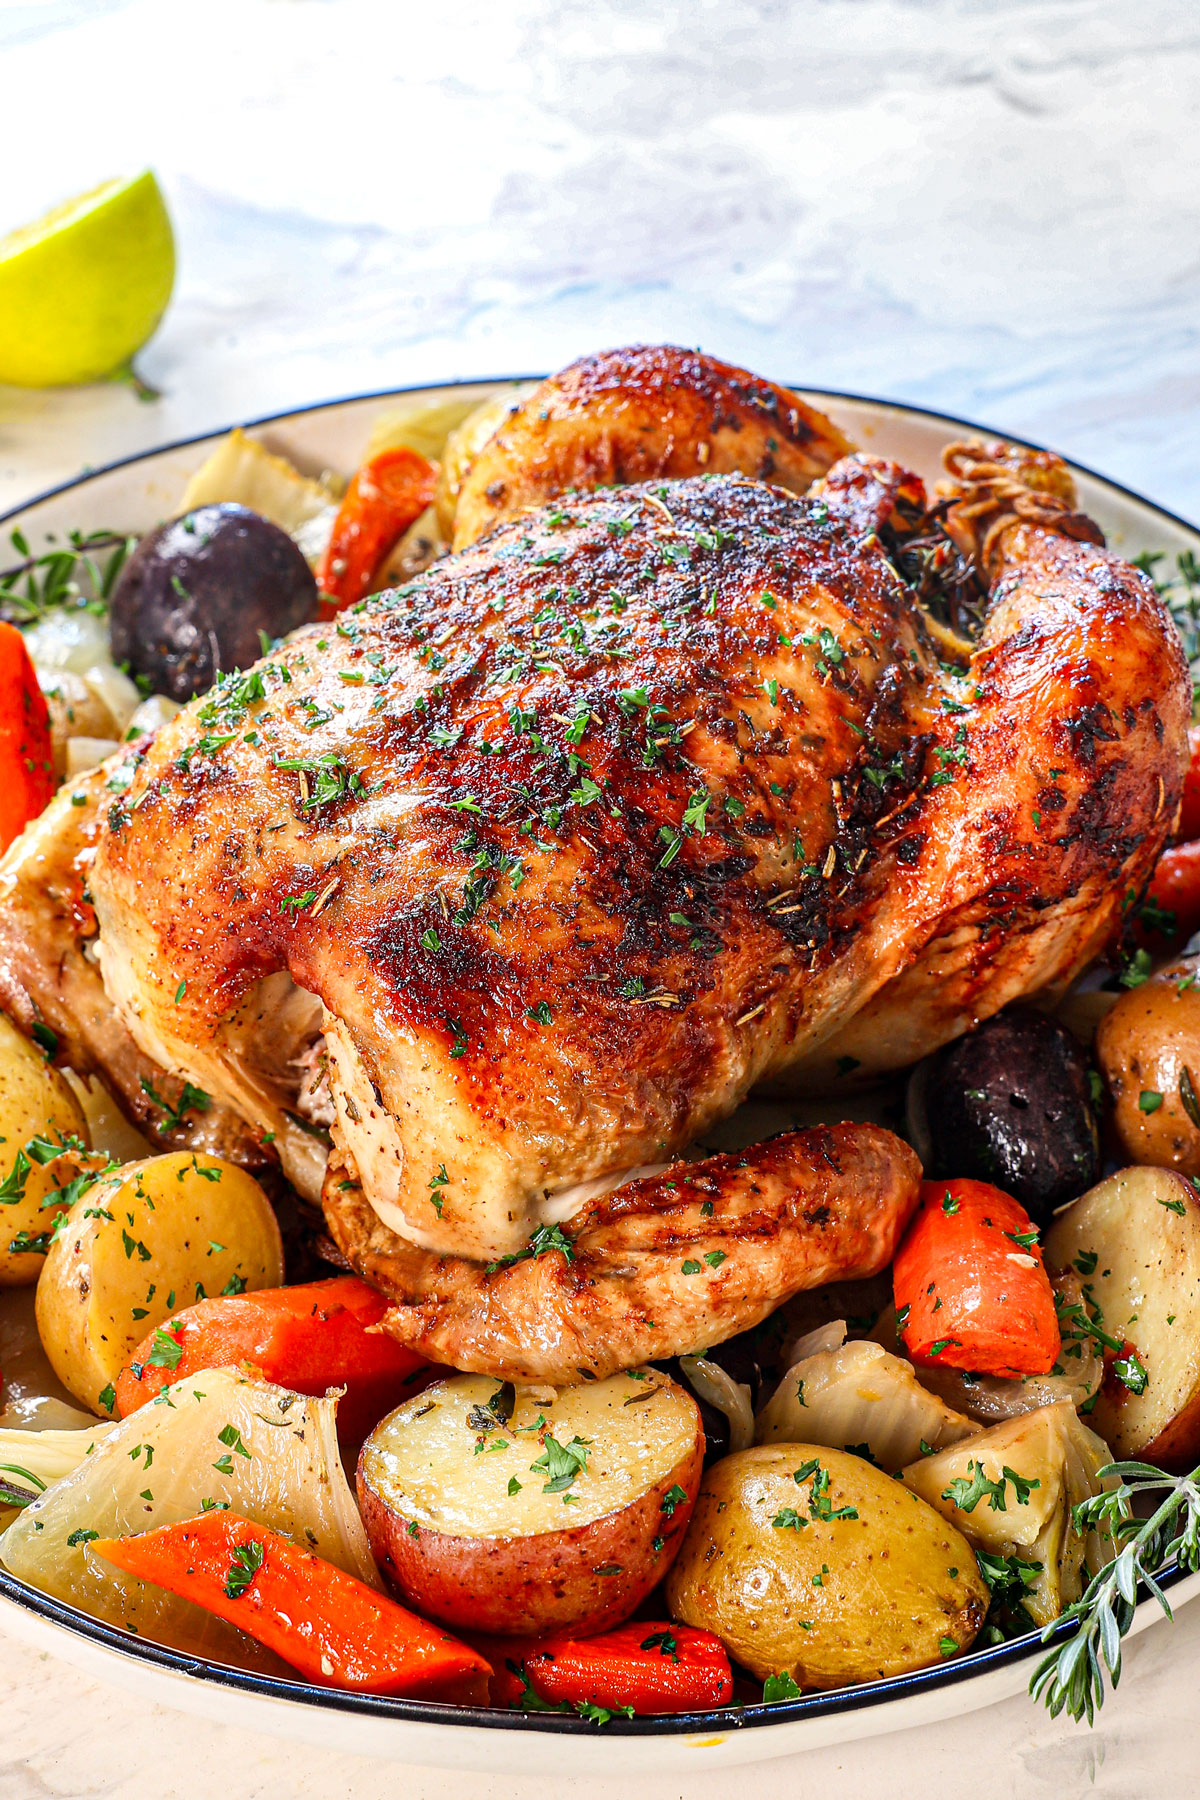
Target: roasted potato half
[141,1242]
[1148,1048]
[35,1103]
[1134,1241]
[499,1511]
[808,1561]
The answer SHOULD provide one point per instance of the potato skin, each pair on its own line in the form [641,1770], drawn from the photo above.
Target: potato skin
[35,1101]
[1137,1234]
[1149,1042]
[894,1583]
[1009,1103]
[544,1582]
[147,1225]
[192,599]
[465,442]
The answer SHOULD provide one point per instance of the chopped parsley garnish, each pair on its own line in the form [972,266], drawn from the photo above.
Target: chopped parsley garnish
[544,1240]
[167,1352]
[562,1464]
[966,1494]
[247,1561]
[191,1099]
[779,1687]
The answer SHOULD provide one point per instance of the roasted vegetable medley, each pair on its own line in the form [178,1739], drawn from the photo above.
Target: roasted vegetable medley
[207,1437]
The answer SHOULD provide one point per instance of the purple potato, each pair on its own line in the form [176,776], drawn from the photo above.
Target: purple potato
[197,595]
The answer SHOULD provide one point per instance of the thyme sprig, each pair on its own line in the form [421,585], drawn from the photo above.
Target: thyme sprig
[1072,1678]
[80,574]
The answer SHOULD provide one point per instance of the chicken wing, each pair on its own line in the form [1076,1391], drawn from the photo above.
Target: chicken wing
[672,1262]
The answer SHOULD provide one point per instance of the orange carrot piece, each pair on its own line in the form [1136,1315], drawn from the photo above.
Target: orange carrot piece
[385,497]
[26,761]
[331,1627]
[309,1338]
[652,1666]
[971,1289]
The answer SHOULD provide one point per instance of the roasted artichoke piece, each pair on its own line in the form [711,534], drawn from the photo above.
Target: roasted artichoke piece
[1010,1491]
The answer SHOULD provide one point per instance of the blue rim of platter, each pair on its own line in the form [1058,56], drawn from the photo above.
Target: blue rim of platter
[721,1719]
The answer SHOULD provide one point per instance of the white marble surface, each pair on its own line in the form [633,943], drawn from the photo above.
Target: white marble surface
[983,205]
[986,206]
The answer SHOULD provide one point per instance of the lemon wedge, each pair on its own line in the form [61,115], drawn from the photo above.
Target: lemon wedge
[82,289]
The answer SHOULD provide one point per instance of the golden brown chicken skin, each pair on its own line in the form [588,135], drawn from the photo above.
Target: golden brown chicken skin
[650,411]
[544,832]
[49,982]
[1066,773]
[673,1262]
[636,803]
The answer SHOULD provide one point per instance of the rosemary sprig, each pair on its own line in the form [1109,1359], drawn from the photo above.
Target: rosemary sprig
[1072,1678]
[22,1492]
[1180,591]
[81,574]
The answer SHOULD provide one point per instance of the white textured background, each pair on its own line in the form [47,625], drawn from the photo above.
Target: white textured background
[985,206]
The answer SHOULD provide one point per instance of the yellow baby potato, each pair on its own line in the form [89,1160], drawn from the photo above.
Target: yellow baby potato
[35,1103]
[142,1242]
[807,1561]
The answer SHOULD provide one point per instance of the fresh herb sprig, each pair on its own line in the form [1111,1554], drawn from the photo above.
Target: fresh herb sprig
[1180,590]
[81,574]
[1072,1678]
[22,1491]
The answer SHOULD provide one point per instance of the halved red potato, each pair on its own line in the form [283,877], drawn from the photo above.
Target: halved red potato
[1134,1241]
[526,1511]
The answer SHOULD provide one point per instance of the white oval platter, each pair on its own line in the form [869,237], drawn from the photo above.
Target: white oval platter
[136,494]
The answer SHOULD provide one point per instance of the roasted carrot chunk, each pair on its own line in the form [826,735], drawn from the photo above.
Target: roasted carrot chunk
[309,1338]
[26,762]
[650,1667]
[331,1627]
[385,497]
[971,1289]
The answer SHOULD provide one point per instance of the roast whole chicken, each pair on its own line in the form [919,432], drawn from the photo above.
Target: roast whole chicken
[681,776]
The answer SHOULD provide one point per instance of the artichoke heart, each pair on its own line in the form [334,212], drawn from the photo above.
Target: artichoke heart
[1010,1491]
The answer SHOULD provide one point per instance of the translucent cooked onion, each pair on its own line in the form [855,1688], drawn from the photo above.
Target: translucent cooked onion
[810,1343]
[46,1456]
[112,686]
[150,714]
[859,1397]
[217,1438]
[242,470]
[989,1399]
[31,1460]
[84,753]
[716,1385]
[69,638]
